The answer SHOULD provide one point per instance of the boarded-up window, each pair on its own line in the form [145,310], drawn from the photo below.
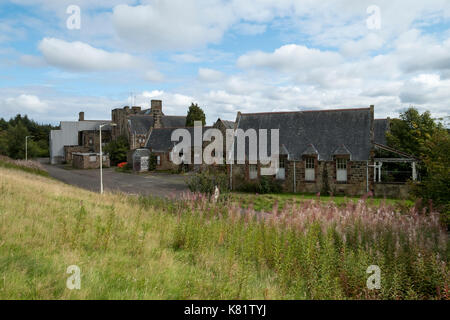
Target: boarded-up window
[310,172]
[253,171]
[92,158]
[341,170]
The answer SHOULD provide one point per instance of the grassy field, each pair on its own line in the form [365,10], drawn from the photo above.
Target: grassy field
[143,248]
[266,202]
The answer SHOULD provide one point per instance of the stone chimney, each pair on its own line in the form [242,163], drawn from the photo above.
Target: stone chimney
[156,112]
[136,109]
[81,116]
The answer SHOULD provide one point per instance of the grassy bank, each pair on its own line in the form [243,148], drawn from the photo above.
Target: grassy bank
[142,248]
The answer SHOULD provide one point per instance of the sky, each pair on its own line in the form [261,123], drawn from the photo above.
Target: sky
[60,57]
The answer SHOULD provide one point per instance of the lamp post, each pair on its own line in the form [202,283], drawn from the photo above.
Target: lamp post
[26,147]
[101,154]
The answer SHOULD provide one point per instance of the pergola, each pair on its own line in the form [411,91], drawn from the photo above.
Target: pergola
[406,158]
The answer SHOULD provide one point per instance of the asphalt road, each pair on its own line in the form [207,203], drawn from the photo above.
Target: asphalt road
[156,184]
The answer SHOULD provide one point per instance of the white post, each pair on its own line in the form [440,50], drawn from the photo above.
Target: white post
[379,171]
[414,172]
[375,172]
[101,161]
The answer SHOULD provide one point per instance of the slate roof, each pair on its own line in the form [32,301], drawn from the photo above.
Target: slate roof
[322,131]
[380,127]
[142,123]
[228,124]
[160,138]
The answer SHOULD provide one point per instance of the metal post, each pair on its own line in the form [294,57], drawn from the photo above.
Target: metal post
[101,161]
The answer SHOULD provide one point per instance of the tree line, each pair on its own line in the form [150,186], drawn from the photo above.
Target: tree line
[13,133]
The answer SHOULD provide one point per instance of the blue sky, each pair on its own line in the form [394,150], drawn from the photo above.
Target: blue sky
[227,56]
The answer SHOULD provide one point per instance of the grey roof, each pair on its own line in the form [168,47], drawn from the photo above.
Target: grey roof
[228,124]
[324,131]
[341,150]
[160,138]
[173,121]
[142,123]
[310,150]
[380,127]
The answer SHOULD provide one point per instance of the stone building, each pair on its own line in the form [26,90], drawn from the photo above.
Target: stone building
[89,160]
[136,124]
[160,144]
[331,151]
[326,150]
[71,133]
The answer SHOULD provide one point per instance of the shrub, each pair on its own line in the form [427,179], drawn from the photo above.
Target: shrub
[118,150]
[206,181]
[264,185]
[152,162]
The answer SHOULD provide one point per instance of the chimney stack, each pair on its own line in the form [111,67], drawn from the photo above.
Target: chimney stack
[156,112]
[81,116]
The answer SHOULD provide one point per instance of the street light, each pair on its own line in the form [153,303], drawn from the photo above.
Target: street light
[26,147]
[101,154]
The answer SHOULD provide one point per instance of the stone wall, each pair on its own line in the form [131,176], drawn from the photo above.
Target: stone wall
[69,150]
[324,171]
[86,161]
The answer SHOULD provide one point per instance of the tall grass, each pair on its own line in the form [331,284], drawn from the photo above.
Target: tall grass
[318,250]
[131,247]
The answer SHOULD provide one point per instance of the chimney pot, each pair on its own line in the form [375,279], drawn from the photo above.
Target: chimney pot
[81,116]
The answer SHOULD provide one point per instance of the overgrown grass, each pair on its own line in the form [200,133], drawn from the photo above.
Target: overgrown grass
[27,166]
[143,248]
[265,202]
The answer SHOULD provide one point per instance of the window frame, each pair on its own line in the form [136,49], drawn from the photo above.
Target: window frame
[310,169]
[341,166]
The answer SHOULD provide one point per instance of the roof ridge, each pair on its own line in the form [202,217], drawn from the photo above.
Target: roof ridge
[300,111]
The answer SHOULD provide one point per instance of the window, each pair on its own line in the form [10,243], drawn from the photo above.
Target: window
[92,158]
[281,169]
[158,160]
[91,142]
[253,171]
[341,170]
[310,172]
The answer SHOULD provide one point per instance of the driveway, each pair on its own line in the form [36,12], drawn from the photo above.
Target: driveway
[155,184]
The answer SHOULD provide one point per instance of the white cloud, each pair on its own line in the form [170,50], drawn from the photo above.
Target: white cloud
[209,75]
[25,103]
[177,24]
[79,56]
[290,57]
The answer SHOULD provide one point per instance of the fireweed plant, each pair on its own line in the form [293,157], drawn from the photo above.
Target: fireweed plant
[318,250]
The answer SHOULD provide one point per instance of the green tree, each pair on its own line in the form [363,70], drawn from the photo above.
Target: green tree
[435,185]
[195,113]
[16,141]
[412,131]
[118,150]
